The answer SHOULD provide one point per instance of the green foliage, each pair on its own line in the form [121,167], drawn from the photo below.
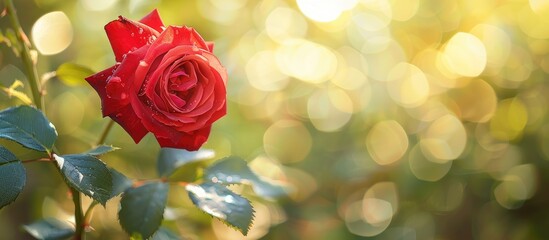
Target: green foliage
[87,174]
[170,159]
[233,169]
[22,153]
[100,150]
[120,183]
[12,177]
[49,229]
[165,234]
[222,203]
[142,209]
[27,126]
[73,74]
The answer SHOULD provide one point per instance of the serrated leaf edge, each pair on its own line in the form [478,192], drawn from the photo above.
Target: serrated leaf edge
[126,230]
[45,149]
[22,187]
[60,160]
[243,231]
[96,155]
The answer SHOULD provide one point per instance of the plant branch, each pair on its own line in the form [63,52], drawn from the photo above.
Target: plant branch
[78,214]
[89,212]
[28,63]
[37,160]
[105,132]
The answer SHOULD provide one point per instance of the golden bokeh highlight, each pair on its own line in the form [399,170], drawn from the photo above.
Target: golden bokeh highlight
[350,78]
[373,15]
[306,60]
[387,142]
[324,10]
[370,98]
[498,46]
[263,74]
[518,185]
[444,140]
[287,140]
[98,5]
[329,109]
[285,23]
[539,6]
[403,10]
[476,101]
[407,85]
[52,33]
[424,169]
[509,120]
[373,214]
[532,23]
[464,55]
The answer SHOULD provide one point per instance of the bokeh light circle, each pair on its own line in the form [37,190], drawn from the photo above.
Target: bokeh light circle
[387,142]
[52,33]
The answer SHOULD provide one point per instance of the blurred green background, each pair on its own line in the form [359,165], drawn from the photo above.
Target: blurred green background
[389,119]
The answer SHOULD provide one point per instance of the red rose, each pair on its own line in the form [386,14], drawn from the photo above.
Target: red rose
[166,81]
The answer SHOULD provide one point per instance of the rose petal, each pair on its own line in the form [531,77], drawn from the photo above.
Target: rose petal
[99,80]
[152,60]
[214,63]
[210,46]
[146,113]
[181,36]
[130,122]
[126,36]
[153,20]
[125,73]
[191,142]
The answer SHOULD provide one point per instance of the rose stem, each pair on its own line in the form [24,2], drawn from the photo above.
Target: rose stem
[78,214]
[32,74]
[89,212]
[28,63]
[105,133]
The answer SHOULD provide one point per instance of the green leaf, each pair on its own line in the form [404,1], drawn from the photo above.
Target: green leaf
[73,74]
[222,203]
[49,229]
[87,174]
[101,149]
[165,234]
[120,183]
[12,177]
[233,169]
[170,159]
[142,209]
[27,126]
[22,153]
